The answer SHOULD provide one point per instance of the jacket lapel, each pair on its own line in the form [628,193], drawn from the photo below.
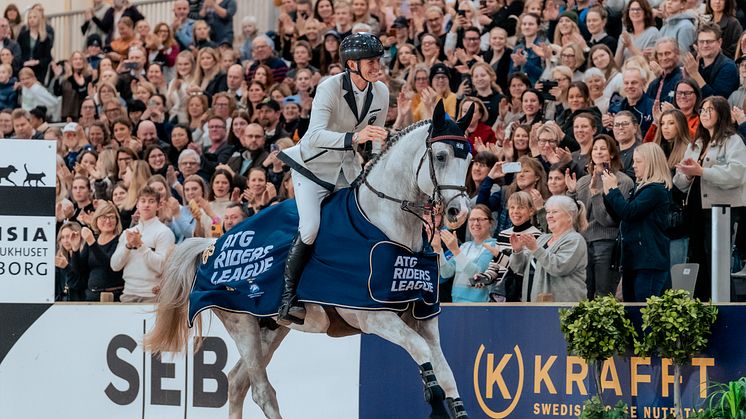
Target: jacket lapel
[350,95]
[366,105]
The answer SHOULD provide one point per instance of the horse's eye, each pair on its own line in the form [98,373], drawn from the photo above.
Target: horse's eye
[441,157]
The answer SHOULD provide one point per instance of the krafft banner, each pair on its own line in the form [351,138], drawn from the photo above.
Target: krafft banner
[70,361]
[511,362]
[27,221]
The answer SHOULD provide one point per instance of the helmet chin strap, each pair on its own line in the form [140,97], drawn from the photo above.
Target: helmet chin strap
[351,71]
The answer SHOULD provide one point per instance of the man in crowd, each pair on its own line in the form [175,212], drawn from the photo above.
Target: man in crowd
[269,117]
[667,68]
[234,214]
[182,25]
[262,48]
[253,154]
[716,74]
[142,251]
[636,101]
[22,126]
[627,134]
[219,15]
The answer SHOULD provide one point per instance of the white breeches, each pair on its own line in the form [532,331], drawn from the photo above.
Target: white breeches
[308,197]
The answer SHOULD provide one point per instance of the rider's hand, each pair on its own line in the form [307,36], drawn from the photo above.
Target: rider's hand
[371,133]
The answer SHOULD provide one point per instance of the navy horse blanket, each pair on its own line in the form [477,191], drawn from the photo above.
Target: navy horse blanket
[353,265]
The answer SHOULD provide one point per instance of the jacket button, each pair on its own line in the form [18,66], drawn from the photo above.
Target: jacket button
[704,195]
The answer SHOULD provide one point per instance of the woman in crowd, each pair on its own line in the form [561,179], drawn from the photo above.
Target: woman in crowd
[531,179]
[644,218]
[170,209]
[578,101]
[596,20]
[712,172]
[674,139]
[572,57]
[323,11]
[135,177]
[157,160]
[640,32]
[68,284]
[532,107]
[259,193]
[601,57]
[430,49]
[567,31]
[82,198]
[687,98]
[209,79]
[72,87]
[177,92]
[181,138]
[510,107]
[197,212]
[470,258]
[482,163]
[498,56]
[529,43]
[518,144]
[602,229]
[486,89]
[560,257]
[723,13]
[584,126]
[93,262]
[548,137]
[478,130]
[201,35]
[167,46]
[221,188]
[14,19]
[596,80]
[508,283]
[36,44]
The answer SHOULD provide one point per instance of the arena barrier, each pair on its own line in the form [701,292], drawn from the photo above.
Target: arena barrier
[511,362]
[72,361]
[86,361]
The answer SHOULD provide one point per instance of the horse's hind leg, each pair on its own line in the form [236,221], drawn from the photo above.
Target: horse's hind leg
[238,386]
[245,331]
[429,330]
[389,326]
[238,379]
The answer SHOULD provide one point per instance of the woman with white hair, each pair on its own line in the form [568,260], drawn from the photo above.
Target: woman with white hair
[560,258]
[595,79]
[645,257]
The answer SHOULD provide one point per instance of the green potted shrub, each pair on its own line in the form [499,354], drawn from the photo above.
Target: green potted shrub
[677,327]
[596,330]
[726,401]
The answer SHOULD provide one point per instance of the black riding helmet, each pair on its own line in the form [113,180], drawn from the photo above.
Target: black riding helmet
[359,46]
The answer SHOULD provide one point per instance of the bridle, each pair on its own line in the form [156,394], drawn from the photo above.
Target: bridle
[436,199]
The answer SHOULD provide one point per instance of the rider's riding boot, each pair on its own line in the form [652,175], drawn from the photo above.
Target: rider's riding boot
[289,310]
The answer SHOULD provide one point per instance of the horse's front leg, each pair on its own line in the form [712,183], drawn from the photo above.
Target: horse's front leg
[430,332]
[389,326]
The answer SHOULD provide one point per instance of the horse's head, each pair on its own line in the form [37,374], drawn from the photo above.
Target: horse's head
[447,162]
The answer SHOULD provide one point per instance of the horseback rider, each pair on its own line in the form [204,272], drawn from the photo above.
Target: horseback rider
[349,109]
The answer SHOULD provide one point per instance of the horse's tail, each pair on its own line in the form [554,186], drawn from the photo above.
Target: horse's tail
[170,333]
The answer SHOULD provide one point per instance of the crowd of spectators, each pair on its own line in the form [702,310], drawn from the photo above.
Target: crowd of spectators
[622,121]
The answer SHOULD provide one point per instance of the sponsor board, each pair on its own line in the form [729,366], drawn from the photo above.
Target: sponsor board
[511,362]
[27,221]
[70,361]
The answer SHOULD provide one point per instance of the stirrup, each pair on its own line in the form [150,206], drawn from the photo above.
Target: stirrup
[291,314]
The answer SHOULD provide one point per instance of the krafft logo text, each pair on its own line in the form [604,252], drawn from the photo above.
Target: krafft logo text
[500,380]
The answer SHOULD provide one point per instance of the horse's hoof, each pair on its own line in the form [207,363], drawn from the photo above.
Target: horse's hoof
[456,407]
[439,411]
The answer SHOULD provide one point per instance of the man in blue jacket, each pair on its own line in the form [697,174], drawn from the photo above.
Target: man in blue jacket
[716,74]
[636,101]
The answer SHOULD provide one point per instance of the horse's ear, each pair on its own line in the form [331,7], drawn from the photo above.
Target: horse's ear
[464,122]
[439,115]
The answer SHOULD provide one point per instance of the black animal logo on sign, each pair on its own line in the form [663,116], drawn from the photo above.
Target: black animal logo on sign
[5,173]
[33,177]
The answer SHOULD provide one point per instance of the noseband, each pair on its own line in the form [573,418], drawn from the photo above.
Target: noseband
[436,199]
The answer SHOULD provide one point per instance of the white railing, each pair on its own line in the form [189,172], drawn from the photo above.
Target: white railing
[69,38]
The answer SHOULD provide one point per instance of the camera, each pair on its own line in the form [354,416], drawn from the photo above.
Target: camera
[607,167]
[130,65]
[461,12]
[546,86]
[469,84]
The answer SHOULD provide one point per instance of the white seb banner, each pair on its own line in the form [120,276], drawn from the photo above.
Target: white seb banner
[27,222]
[86,361]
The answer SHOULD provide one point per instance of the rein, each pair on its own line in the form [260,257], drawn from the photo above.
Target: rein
[436,199]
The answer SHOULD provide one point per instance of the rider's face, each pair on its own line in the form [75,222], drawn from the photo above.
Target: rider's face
[370,68]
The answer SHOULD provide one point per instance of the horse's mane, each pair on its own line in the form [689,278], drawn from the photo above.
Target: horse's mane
[389,144]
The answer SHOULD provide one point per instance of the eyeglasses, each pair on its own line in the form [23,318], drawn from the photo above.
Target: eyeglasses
[550,142]
[215,127]
[110,217]
[622,124]
[684,93]
[706,41]
[420,79]
[428,42]
[707,111]
[567,55]
[635,9]
[471,39]
[189,163]
[478,220]
[124,159]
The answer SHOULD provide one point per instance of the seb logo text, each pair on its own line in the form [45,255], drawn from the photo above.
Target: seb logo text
[553,385]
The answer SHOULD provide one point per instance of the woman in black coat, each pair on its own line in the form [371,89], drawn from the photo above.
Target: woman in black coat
[36,45]
[644,220]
